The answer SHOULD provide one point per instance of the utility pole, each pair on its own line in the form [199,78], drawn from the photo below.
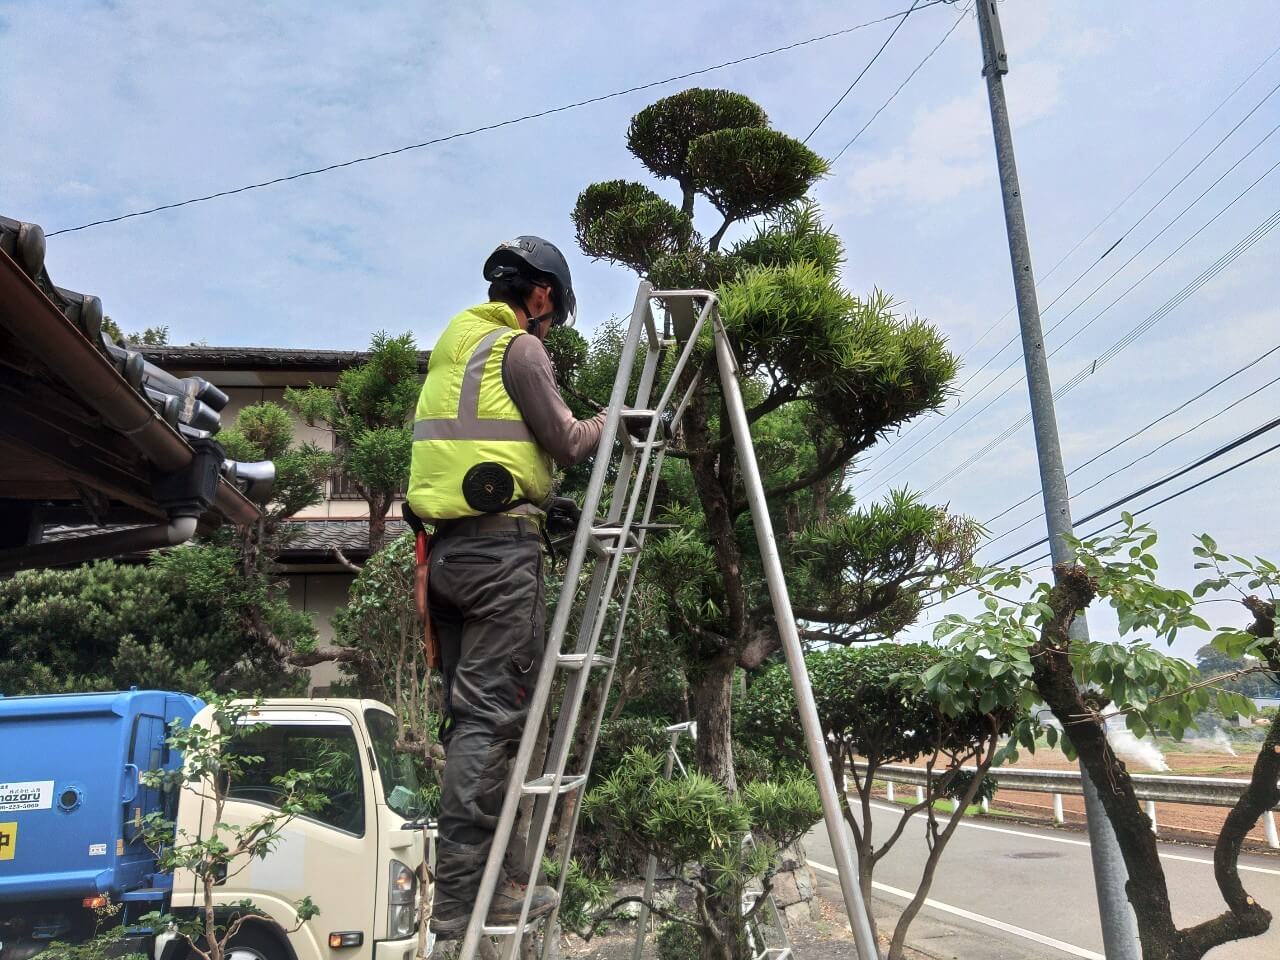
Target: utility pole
[1119,929]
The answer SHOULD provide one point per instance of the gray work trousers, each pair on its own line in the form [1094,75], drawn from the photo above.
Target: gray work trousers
[488,609]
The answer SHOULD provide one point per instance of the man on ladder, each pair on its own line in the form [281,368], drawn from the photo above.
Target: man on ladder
[489,424]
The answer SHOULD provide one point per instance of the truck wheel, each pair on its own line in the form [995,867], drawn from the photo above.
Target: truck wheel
[253,942]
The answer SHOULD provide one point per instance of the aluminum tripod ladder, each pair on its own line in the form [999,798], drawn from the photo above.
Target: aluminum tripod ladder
[601,548]
[757,938]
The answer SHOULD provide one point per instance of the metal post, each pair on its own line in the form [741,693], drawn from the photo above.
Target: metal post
[651,867]
[888,790]
[919,794]
[819,760]
[1119,929]
[1057,809]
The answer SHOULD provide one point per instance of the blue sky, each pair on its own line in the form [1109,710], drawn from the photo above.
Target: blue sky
[112,107]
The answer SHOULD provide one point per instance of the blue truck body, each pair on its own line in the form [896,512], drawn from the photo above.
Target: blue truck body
[71,802]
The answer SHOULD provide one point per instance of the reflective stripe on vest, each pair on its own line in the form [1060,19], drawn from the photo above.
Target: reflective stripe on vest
[466,417]
[468,424]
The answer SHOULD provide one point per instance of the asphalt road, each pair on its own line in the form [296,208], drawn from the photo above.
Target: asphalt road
[1009,891]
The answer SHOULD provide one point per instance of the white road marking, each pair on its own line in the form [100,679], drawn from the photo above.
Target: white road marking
[1026,934]
[1084,843]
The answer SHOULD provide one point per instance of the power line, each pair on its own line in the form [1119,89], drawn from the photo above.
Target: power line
[1118,503]
[1143,429]
[484,128]
[1168,478]
[863,72]
[1052,270]
[1134,333]
[880,109]
[1160,263]
[1150,453]
[1057,323]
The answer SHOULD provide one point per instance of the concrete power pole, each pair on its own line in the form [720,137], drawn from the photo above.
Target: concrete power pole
[1119,929]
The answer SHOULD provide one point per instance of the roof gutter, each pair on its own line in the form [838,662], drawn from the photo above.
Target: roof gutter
[31,316]
[99,546]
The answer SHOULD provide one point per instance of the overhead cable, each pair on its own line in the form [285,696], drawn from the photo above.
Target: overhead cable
[1150,453]
[863,72]
[1156,484]
[1144,429]
[484,128]
[1134,333]
[880,109]
[893,450]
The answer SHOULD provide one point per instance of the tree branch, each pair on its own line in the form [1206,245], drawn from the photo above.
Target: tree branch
[345,561]
[843,454]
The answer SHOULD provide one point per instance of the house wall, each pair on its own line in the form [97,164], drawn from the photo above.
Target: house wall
[320,595]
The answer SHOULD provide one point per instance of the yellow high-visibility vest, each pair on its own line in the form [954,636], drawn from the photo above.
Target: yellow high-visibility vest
[465,417]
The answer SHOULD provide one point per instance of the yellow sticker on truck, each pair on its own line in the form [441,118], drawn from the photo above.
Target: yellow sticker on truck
[8,840]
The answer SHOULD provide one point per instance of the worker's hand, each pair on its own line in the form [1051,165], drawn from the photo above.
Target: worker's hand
[562,516]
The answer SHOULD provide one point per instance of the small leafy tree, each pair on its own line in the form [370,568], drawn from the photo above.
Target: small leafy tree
[369,413]
[698,830]
[872,713]
[210,764]
[1027,648]
[380,619]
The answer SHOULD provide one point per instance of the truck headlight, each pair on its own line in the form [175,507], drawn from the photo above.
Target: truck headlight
[402,919]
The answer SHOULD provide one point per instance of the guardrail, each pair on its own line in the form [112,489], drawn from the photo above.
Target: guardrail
[1151,788]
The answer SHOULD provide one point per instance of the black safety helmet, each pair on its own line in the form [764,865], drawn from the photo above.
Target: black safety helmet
[536,259]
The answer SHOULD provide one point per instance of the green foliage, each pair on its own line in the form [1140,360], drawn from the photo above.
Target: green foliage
[752,170]
[380,617]
[157,336]
[584,896]
[693,820]
[872,705]
[678,941]
[791,234]
[369,411]
[175,622]
[1155,692]
[264,431]
[107,942]
[628,223]
[661,134]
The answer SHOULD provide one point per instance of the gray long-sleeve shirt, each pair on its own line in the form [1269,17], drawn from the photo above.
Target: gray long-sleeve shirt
[530,379]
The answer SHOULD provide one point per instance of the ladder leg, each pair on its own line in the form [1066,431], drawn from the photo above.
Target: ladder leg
[651,869]
[819,760]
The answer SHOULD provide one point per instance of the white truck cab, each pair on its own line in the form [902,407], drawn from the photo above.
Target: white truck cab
[358,857]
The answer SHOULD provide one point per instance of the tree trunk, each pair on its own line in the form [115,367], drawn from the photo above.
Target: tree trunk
[711,696]
[378,507]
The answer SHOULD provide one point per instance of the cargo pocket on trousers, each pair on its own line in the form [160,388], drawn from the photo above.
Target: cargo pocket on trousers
[525,658]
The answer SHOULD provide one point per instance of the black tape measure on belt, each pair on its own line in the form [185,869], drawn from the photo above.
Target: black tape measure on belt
[488,487]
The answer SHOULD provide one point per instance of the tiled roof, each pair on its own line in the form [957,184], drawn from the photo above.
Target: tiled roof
[200,357]
[307,538]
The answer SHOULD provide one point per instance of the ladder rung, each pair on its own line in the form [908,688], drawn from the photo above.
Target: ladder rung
[576,661]
[544,782]
[507,929]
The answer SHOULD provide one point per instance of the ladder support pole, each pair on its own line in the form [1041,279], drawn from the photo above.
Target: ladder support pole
[772,563]
[651,868]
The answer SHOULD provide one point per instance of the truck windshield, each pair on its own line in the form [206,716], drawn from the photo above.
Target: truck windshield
[399,779]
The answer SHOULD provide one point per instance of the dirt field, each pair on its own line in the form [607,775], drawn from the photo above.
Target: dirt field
[1173,821]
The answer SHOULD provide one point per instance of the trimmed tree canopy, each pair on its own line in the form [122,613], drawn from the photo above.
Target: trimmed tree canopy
[628,223]
[749,171]
[661,133]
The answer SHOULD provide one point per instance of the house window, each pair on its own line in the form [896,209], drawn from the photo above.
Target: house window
[343,488]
